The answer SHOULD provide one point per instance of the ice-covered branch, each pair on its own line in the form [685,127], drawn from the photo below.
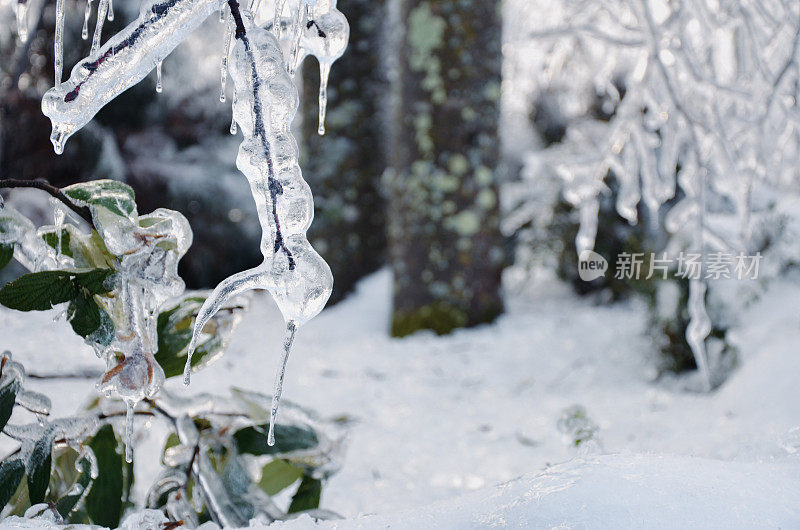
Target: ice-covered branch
[124,60]
[45,186]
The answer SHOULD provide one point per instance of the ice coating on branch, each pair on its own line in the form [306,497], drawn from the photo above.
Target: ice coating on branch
[69,430]
[265,103]
[147,277]
[124,60]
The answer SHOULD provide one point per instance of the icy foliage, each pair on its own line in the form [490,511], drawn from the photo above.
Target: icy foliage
[264,103]
[702,100]
[143,252]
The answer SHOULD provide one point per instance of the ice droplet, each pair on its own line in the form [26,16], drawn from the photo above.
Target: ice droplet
[288,340]
[324,72]
[159,87]
[22,20]
[58,43]
[110,15]
[86,15]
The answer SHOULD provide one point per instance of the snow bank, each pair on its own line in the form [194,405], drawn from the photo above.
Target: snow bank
[642,491]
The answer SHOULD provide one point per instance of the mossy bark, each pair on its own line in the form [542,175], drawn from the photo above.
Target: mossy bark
[445,245]
[344,167]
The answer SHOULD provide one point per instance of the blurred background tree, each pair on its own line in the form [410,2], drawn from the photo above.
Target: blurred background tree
[445,245]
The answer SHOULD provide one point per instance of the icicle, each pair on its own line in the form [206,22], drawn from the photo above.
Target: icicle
[299,23]
[276,24]
[276,393]
[699,328]
[22,20]
[110,16]
[265,103]
[129,432]
[58,43]
[102,10]
[86,15]
[159,87]
[59,214]
[226,49]
[324,72]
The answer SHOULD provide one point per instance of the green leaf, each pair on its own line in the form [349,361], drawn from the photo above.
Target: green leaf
[51,239]
[278,475]
[11,473]
[288,438]
[6,253]
[8,396]
[67,503]
[173,440]
[40,291]
[83,314]
[38,468]
[114,196]
[307,496]
[174,328]
[104,500]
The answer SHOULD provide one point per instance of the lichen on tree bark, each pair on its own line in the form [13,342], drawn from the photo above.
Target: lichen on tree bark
[443,221]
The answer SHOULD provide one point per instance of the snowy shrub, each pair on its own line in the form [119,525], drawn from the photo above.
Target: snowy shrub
[698,124]
[122,294]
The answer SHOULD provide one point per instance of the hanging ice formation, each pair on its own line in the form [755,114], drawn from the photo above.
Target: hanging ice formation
[264,104]
[296,276]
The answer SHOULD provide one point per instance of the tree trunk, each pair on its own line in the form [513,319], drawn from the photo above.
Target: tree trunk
[344,167]
[444,239]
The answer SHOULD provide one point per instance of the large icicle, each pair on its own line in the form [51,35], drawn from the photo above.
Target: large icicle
[265,104]
[124,60]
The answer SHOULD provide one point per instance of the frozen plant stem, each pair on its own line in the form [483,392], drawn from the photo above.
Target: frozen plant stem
[82,211]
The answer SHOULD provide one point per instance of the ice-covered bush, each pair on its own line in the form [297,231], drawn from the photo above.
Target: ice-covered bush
[699,125]
[118,286]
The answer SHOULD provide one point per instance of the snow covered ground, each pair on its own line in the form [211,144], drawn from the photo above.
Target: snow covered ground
[438,417]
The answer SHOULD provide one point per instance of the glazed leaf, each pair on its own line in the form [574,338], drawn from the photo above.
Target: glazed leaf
[288,438]
[11,473]
[307,496]
[104,501]
[6,253]
[38,468]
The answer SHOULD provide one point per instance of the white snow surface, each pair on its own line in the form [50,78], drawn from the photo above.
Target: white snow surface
[434,418]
